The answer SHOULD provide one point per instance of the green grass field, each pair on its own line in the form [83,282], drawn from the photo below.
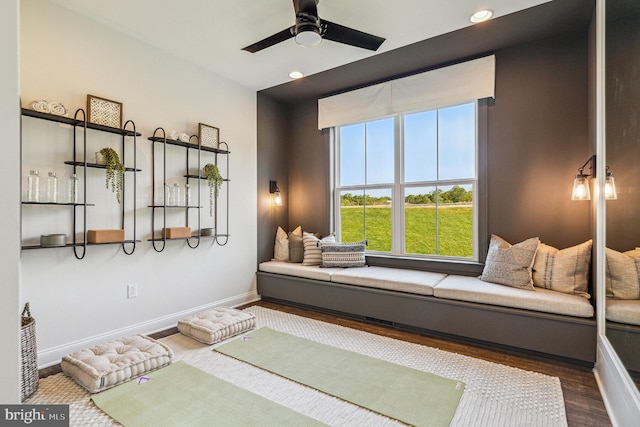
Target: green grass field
[455,229]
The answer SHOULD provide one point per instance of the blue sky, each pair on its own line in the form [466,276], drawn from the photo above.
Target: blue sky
[456,134]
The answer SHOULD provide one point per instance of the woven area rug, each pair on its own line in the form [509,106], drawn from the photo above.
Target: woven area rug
[495,395]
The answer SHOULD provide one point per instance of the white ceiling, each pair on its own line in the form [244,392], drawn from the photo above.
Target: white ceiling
[211,33]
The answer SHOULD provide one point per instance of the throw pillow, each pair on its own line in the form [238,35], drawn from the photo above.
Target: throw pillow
[622,274]
[565,270]
[343,255]
[296,248]
[281,247]
[510,265]
[312,251]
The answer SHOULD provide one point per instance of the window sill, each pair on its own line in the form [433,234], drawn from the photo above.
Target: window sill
[461,267]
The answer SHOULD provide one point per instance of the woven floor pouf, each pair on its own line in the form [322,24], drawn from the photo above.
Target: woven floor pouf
[216,324]
[106,365]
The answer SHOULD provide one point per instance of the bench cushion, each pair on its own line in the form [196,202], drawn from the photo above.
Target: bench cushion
[472,289]
[394,279]
[106,365]
[298,270]
[216,324]
[623,311]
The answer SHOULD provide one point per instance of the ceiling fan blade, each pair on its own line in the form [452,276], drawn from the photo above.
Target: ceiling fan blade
[341,34]
[270,41]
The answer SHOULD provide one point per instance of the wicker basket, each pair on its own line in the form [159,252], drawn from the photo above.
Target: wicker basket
[29,366]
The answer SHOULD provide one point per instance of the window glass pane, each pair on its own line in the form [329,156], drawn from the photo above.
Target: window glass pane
[378,220]
[352,155]
[455,221]
[380,152]
[352,216]
[420,220]
[420,147]
[457,142]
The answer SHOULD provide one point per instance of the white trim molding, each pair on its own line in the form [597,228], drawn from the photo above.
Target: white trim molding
[619,393]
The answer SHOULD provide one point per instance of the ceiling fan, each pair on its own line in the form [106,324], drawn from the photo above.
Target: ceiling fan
[309,30]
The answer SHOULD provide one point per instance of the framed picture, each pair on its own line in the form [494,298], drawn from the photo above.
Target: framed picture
[104,112]
[209,136]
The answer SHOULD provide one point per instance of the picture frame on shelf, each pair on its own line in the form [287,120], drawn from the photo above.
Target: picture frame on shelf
[102,111]
[209,136]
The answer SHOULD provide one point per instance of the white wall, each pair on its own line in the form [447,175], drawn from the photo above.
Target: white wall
[10,224]
[64,57]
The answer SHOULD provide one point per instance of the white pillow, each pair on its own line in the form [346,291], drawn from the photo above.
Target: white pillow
[565,270]
[281,247]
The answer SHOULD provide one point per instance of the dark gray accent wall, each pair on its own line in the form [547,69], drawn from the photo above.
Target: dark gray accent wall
[309,173]
[273,155]
[538,137]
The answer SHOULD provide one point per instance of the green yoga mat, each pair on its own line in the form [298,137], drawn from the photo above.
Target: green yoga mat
[181,395]
[408,395]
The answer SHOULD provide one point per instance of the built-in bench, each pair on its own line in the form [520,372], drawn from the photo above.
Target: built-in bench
[623,331]
[542,321]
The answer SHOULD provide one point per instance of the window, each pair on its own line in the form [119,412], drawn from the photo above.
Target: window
[407,183]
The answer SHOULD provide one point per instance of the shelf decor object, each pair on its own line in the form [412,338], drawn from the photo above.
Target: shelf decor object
[104,112]
[105,236]
[214,179]
[209,136]
[114,172]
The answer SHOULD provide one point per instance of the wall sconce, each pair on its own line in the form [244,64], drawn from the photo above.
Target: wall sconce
[581,183]
[273,189]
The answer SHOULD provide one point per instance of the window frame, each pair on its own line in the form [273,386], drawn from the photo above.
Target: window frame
[399,187]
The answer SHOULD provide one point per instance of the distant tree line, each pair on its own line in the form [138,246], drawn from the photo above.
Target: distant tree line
[457,194]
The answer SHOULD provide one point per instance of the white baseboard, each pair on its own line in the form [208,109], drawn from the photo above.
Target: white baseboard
[619,393]
[53,355]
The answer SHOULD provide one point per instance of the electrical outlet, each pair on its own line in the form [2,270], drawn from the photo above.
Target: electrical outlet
[132,290]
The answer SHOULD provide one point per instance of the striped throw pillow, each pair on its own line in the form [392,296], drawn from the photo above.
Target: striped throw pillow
[343,255]
[312,251]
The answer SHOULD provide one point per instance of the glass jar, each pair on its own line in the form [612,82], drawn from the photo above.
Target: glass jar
[176,195]
[33,190]
[72,188]
[167,195]
[52,188]
[187,195]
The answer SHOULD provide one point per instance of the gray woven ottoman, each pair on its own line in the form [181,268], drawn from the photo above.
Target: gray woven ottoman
[216,324]
[106,365]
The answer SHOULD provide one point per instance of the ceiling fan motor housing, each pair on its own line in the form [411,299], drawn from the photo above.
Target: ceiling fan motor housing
[307,29]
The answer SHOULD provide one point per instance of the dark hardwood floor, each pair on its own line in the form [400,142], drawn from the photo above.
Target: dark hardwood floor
[583,402]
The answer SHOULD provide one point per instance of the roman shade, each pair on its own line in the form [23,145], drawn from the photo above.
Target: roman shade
[454,84]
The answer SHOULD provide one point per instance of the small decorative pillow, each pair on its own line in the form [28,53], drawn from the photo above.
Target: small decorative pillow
[510,265]
[296,248]
[622,274]
[565,270]
[343,255]
[281,247]
[312,250]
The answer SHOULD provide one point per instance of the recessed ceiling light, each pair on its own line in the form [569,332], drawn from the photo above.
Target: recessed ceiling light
[481,15]
[296,74]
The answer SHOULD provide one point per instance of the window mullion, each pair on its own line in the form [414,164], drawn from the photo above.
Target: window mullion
[397,214]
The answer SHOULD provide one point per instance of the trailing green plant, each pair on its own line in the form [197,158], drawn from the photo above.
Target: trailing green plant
[115,171]
[214,179]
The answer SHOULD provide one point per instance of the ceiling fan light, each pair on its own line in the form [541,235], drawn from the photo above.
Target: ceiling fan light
[308,37]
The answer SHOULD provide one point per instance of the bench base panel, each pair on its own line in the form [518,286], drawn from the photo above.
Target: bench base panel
[552,335]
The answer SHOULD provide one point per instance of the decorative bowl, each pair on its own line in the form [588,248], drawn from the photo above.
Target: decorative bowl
[53,240]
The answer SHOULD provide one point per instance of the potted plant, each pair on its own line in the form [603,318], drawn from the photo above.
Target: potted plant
[115,171]
[214,179]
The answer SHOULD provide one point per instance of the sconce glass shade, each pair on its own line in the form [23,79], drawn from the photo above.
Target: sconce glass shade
[610,187]
[581,188]
[277,200]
